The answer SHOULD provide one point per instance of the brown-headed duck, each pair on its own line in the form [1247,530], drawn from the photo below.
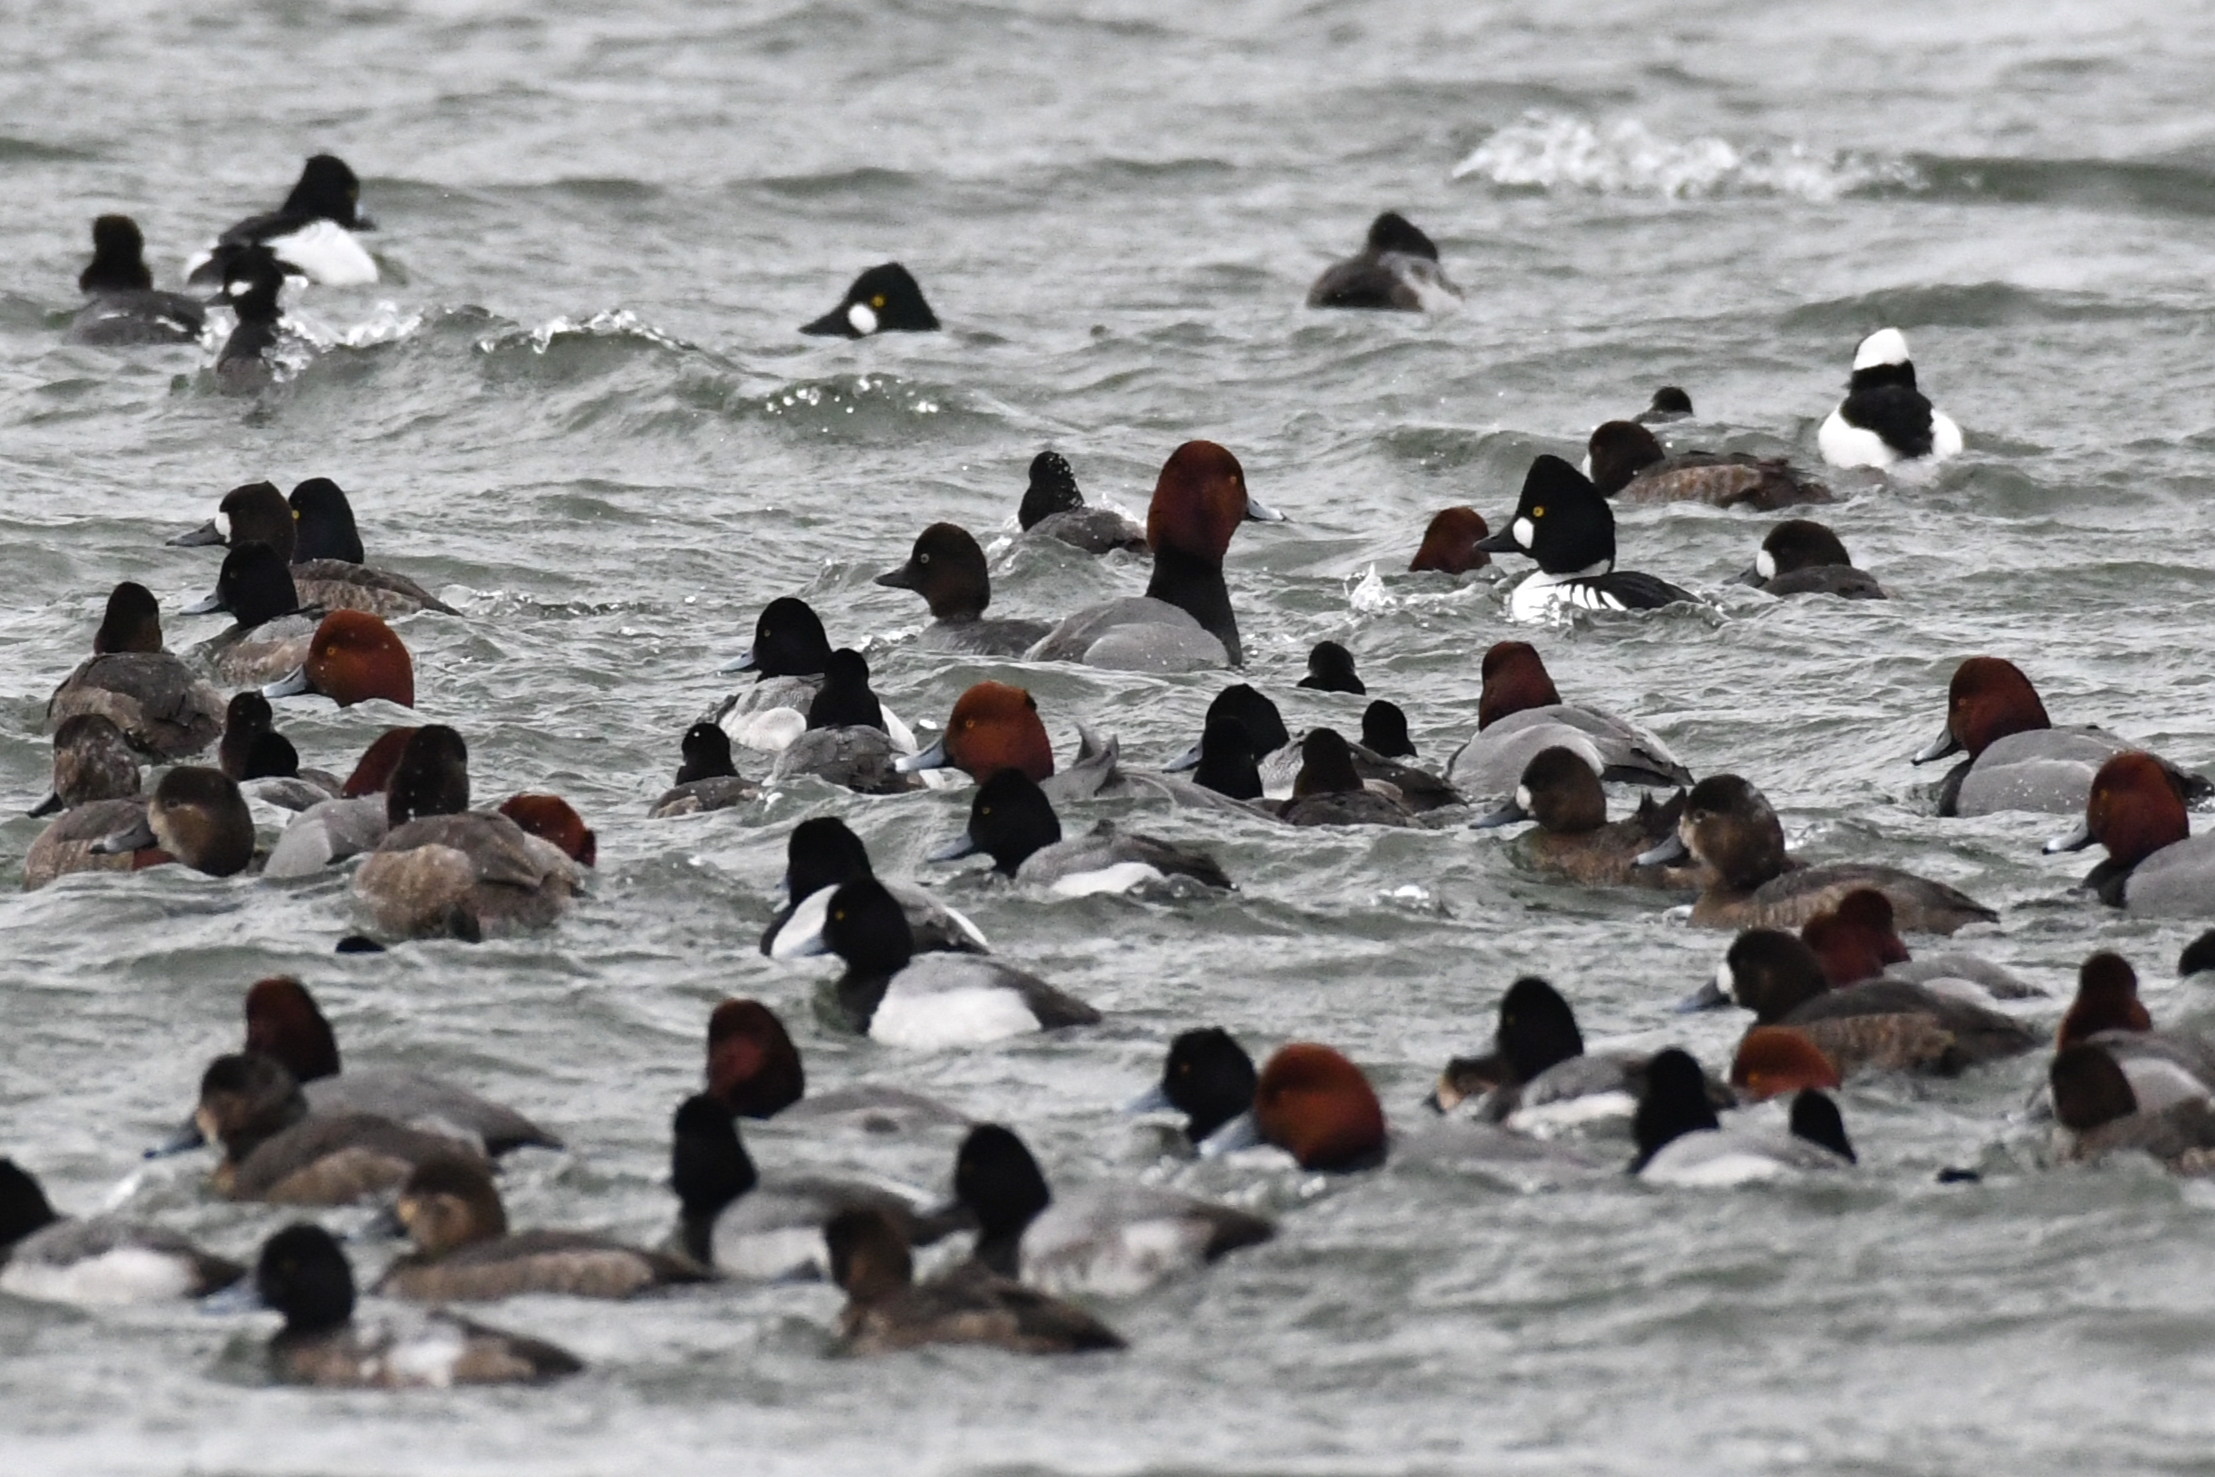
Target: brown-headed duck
[1802,557]
[1858,941]
[946,567]
[1451,543]
[1053,508]
[1013,822]
[1774,1060]
[995,726]
[2155,865]
[195,816]
[276,1149]
[315,535]
[1396,268]
[164,708]
[754,1070]
[822,855]
[1330,791]
[1628,461]
[1520,712]
[96,792]
[1574,839]
[2163,1066]
[888,1311]
[98,1261]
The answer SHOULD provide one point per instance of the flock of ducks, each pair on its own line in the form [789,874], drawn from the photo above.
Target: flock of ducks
[1818,956]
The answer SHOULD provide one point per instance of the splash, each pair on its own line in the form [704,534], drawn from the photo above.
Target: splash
[1550,151]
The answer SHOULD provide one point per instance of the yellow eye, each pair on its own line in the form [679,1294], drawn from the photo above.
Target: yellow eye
[1538,512]
[296,515]
[968,723]
[877,301]
[839,916]
[984,810]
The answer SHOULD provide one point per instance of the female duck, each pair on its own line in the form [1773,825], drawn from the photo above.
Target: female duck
[1575,841]
[1012,821]
[1330,790]
[195,816]
[888,1311]
[946,567]
[1396,268]
[1627,460]
[163,708]
[1802,557]
[96,791]
[314,535]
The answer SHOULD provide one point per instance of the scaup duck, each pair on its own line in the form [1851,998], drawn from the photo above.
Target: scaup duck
[270,630]
[277,1149]
[314,534]
[1012,821]
[845,742]
[707,779]
[1396,268]
[823,854]
[121,305]
[98,1261]
[1538,1072]
[311,234]
[946,567]
[1573,838]
[888,1311]
[1682,1142]
[251,286]
[1208,1077]
[1330,668]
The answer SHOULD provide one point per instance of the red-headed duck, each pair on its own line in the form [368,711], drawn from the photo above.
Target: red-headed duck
[946,567]
[846,741]
[551,818]
[1314,1104]
[888,1311]
[312,232]
[96,790]
[884,299]
[304,1275]
[823,854]
[1563,524]
[2100,1113]
[314,534]
[276,1149]
[995,726]
[1330,668]
[1052,507]
[163,708]
[1729,826]
[1884,421]
[1682,1142]
[1184,621]
[197,817]
[1800,557]
[2163,1066]
[270,630]
[1208,1077]
[1520,712]
[1774,1060]
[754,1071]
[1538,1070]
[1626,460]
[707,779]
[353,657]
[1396,268]
[1451,543]
[2015,759]
[122,306]
[99,1261]
[1574,839]
[2155,865]
[1013,822]
[1858,941]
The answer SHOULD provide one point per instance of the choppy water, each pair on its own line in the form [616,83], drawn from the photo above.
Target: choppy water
[577,408]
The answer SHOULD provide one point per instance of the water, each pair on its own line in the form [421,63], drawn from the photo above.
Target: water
[576,407]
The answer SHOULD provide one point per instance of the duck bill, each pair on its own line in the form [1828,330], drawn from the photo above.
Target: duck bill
[1709,996]
[136,838]
[937,1222]
[831,325]
[48,806]
[1752,576]
[205,536]
[1671,850]
[1502,542]
[242,1296]
[289,686]
[207,604]
[1258,511]
[2075,840]
[933,757]
[183,1140]
[743,662]
[1189,759]
[1154,1099]
[385,1225]
[954,850]
[1938,748]
[1506,815]
[902,578]
[1240,1133]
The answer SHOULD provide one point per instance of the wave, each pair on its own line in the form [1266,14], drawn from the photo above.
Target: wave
[1552,151]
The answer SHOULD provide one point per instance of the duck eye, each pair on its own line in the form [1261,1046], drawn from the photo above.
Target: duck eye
[968,723]
[877,301]
[922,558]
[1538,512]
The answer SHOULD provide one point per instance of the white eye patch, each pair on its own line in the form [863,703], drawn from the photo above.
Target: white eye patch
[1522,797]
[1725,981]
[1523,532]
[863,319]
[223,524]
[1765,565]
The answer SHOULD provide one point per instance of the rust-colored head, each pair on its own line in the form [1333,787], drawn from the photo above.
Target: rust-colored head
[373,775]
[1199,501]
[1871,911]
[1515,679]
[2134,809]
[1848,955]
[355,657]
[283,1021]
[1988,700]
[2107,1000]
[551,818]
[1450,543]
[1314,1104]
[753,1067]
[1773,1060]
[994,727]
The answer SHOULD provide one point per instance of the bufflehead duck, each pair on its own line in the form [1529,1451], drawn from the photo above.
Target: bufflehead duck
[1626,460]
[311,234]
[2155,865]
[1563,523]
[1012,821]
[884,299]
[822,855]
[1801,557]
[1053,508]
[1397,268]
[1884,420]
[888,1311]
[1453,543]
[98,1261]
[122,306]
[163,708]
[946,567]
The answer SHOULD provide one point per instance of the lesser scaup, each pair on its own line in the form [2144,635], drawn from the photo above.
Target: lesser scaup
[98,1261]
[823,854]
[310,234]
[946,567]
[888,1311]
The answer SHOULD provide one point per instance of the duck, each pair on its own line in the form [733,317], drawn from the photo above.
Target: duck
[754,1071]
[1330,790]
[121,305]
[98,1261]
[790,655]
[195,817]
[744,1226]
[2155,866]
[892,996]
[270,632]
[1626,460]
[1330,668]
[1397,268]
[1452,543]
[1670,403]
[1538,1073]
[995,726]
[264,762]
[845,742]
[1682,1142]
[1054,508]
[2099,1113]
[884,299]
[1881,1024]
[1102,1241]
[2198,956]
[1730,827]
[355,821]
[823,854]
[1245,751]
[303,1273]
[311,234]
[276,1149]
[1206,1076]
[352,657]
[946,567]
[2013,756]
[444,870]
[1773,1060]
[314,534]
[1563,523]
[1012,821]
[1520,713]
[707,779]
[96,793]
[1184,622]
[1858,940]
[1885,421]
[1314,1104]
[1801,557]
[1384,731]
[1576,842]
[888,1311]
[464,1252]
[2163,1066]
[163,708]
[252,284]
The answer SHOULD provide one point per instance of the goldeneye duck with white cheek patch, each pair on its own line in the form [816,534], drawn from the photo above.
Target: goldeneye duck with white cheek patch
[1562,522]
[884,299]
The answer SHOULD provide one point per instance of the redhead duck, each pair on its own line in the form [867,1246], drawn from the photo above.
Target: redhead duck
[1330,790]
[1053,508]
[1184,621]
[1104,1240]
[1396,268]
[96,792]
[995,726]
[884,299]
[1538,1070]
[1208,1077]
[1774,1060]
[790,655]
[99,1261]
[304,1275]
[196,817]
[2163,1066]
[1857,941]
[1626,460]
[1563,523]
[1670,403]
[707,779]
[333,830]
[161,706]
[742,1225]
[1574,840]
[251,285]
[311,233]
[890,995]
[887,1311]
[1682,1142]
[1729,826]
[1881,1024]
[1330,668]
[464,1251]
[821,855]
[2155,865]
[121,305]
[1520,712]
[352,657]
[275,1149]
[1012,821]
[845,742]
[553,819]
[446,871]
[1452,543]
[1802,557]
[2016,758]
[2100,1113]
[1884,421]
[314,534]
[1314,1104]
[270,632]
[754,1071]
[946,567]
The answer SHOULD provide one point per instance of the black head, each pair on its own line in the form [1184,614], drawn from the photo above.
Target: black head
[823,852]
[23,1207]
[328,189]
[1815,1118]
[324,520]
[1326,765]
[1003,1187]
[252,278]
[1209,1078]
[1561,521]
[255,585]
[1537,1028]
[1675,1104]
[1384,731]
[118,258]
[132,621]
[1011,818]
[845,700]
[708,1165]
[2198,954]
[707,755]
[303,1274]
[246,721]
[1228,763]
[1264,724]
[1330,668]
[1053,489]
[432,777]
[946,567]
[1670,402]
[1620,450]
[867,928]
[1799,543]
[789,640]
[272,757]
[1771,973]
[883,299]
[1393,231]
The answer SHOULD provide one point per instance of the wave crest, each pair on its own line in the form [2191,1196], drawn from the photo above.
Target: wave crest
[1550,151]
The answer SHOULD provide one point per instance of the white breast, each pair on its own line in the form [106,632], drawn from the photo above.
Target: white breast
[326,252]
[127,1274]
[1844,444]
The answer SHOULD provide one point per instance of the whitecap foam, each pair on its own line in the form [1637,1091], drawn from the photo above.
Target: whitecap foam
[1551,151]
